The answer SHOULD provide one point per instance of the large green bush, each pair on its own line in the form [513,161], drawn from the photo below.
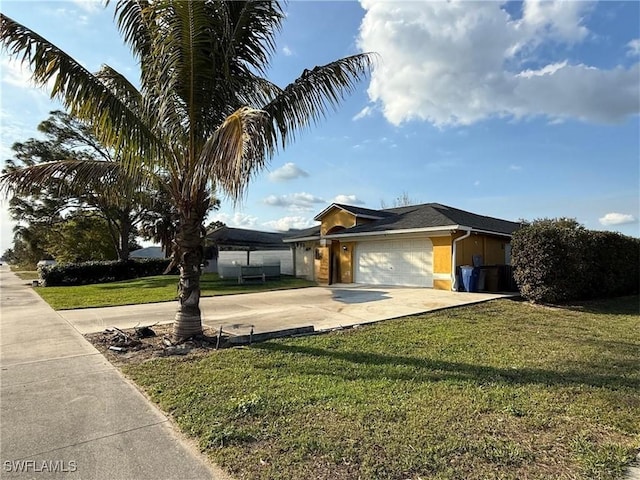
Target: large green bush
[559,260]
[100,272]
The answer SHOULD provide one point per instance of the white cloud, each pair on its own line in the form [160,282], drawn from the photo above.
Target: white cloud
[633,47]
[301,202]
[365,112]
[614,218]
[457,63]
[287,51]
[557,19]
[289,171]
[347,199]
[546,70]
[238,219]
[13,73]
[287,223]
[90,6]
[515,168]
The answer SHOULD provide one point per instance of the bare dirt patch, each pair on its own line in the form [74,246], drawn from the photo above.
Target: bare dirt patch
[136,345]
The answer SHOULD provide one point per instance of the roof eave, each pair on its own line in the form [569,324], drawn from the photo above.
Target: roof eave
[394,232]
[300,239]
[405,231]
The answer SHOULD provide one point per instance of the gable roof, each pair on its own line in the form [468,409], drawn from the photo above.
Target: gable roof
[427,217]
[252,239]
[356,211]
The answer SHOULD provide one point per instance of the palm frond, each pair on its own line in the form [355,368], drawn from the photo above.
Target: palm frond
[236,150]
[251,30]
[121,88]
[75,177]
[308,99]
[133,18]
[80,91]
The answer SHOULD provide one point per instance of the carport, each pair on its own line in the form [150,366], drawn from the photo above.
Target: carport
[240,239]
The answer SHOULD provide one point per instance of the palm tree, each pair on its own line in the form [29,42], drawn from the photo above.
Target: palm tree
[204,114]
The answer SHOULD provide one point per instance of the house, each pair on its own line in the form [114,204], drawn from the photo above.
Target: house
[418,245]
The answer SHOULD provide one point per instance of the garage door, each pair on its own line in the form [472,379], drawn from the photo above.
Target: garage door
[395,262]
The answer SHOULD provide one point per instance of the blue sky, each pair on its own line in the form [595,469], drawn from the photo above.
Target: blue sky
[516,110]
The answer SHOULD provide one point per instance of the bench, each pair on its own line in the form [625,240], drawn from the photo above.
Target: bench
[251,272]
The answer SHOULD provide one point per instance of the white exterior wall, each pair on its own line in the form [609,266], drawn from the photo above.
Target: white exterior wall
[304,261]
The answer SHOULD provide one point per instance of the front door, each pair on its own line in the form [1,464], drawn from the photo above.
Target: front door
[335,275]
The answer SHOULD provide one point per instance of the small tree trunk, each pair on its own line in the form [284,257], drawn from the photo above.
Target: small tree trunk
[188,254]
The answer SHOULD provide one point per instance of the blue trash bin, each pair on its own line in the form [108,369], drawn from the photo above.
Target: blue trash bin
[470,278]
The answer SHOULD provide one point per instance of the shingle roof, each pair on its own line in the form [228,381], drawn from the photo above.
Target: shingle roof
[305,233]
[428,215]
[436,215]
[239,237]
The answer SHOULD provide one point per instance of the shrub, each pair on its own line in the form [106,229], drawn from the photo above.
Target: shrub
[100,272]
[559,260]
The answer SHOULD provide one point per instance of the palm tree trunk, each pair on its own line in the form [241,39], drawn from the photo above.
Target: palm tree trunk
[123,240]
[188,254]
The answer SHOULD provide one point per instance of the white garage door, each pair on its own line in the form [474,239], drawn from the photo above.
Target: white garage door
[395,262]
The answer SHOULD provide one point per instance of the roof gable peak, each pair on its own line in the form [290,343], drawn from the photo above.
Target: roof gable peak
[355,211]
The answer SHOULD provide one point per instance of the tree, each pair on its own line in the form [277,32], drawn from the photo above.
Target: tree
[402,200]
[204,115]
[72,169]
[83,236]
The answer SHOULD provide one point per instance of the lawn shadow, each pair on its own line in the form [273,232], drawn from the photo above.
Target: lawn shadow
[628,305]
[142,282]
[393,367]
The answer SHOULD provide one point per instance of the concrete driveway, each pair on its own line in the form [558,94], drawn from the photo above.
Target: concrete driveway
[324,308]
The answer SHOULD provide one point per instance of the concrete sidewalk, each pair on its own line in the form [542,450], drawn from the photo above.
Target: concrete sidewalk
[324,308]
[65,412]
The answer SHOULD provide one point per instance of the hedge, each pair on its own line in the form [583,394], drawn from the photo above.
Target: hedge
[559,260]
[100,272]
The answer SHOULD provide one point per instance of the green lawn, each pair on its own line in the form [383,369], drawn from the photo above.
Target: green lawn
[27,274]
[500,390]
[160,288]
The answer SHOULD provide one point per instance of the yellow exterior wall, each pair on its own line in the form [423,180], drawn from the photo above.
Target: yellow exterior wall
[336,217]
[494,251]
[441,261]
[442,284]
[441,254]
[491,249]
